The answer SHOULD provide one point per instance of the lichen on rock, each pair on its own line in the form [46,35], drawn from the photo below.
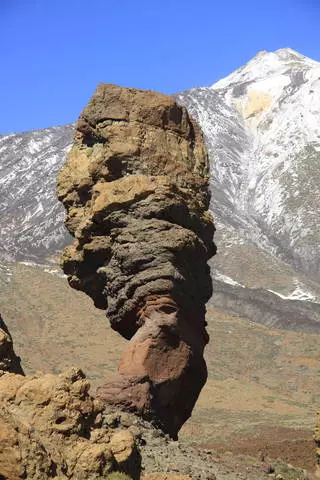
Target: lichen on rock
[135,188]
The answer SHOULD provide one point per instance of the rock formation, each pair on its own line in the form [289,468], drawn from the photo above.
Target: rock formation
[50,427]
[135,188]
[9,361]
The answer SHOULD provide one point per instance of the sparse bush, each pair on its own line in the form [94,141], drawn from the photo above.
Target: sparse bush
[288,472]
[118,476]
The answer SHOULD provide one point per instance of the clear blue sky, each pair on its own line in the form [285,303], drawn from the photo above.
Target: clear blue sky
[55,52]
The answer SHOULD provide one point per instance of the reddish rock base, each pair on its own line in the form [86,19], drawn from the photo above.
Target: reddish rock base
[162,370]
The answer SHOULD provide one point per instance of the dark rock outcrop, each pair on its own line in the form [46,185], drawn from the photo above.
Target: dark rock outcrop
[317,442]
[9,361]
[135,188]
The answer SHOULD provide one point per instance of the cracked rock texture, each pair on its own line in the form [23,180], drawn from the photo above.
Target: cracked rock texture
[135,189]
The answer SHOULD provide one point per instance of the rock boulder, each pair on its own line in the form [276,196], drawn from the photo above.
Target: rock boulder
[50,427]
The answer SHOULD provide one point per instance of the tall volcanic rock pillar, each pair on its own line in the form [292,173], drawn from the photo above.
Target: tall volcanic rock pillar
[135,188]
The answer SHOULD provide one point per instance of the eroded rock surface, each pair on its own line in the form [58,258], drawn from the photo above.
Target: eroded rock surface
[135,188]
[50,427]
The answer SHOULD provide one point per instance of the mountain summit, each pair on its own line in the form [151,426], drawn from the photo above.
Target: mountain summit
[262,128]
[266,64]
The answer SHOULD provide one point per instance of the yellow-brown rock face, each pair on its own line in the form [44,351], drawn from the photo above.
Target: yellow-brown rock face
[50,427]
[135,188]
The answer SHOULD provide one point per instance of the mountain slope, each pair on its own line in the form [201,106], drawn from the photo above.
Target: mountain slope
[31,218]
[262,128]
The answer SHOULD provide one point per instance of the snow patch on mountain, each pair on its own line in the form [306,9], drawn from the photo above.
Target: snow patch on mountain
[31,225]
[299,293]
[266,64]
[226,279]
[262,127]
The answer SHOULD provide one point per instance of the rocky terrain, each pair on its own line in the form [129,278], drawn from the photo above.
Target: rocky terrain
[52,428]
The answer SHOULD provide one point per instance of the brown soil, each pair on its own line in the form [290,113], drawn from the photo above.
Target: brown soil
[292,446]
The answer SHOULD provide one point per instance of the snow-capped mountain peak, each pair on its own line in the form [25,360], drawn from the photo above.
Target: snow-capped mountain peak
[266,65]
[262,125]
